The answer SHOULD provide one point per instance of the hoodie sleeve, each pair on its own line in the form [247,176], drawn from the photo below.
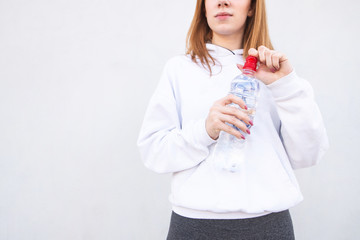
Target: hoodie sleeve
[302,129]
[165,145]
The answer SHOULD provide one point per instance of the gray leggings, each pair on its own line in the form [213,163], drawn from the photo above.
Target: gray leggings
[273,226]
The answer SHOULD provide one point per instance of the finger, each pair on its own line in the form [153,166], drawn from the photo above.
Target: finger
[283,58]
[226,128]
[234,121]
[262,50]
[269,63]
[233,111]
[240,66]
[276,60]
[231,98]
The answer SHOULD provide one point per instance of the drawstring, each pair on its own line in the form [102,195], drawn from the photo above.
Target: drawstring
[223,47]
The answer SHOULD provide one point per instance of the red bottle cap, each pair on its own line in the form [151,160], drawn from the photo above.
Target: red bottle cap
[250,63]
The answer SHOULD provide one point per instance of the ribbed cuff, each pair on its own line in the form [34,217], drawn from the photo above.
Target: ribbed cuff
[201,136]
[285,85]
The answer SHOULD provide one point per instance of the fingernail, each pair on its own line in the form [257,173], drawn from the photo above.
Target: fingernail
[273,70]
[251,123]
[245,107]
[248,131]
[242,137]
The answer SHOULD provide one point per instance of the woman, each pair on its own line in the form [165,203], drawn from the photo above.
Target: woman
[189,109]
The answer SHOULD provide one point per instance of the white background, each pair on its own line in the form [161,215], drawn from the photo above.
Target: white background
[75,80]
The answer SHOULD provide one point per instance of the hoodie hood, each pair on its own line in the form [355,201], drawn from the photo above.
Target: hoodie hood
[219,51]
[224,55]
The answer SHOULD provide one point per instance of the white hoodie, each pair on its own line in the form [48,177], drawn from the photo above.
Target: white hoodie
[288,133]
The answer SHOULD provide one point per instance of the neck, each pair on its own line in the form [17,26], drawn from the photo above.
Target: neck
[231,42]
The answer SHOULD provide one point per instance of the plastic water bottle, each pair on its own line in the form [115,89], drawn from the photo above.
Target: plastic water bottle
[228,152]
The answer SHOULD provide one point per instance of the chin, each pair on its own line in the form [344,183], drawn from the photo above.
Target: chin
[225,31]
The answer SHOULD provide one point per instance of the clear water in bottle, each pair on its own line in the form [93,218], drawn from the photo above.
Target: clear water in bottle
[228,152]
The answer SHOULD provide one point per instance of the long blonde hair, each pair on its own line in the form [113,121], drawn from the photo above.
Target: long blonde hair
[255,33]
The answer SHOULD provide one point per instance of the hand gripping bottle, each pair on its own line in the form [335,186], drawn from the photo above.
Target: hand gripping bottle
[228,152]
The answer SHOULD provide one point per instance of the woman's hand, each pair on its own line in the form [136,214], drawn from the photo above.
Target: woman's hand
[273,65]
[220,113]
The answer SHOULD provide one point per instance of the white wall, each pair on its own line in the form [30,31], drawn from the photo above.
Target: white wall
[75,80]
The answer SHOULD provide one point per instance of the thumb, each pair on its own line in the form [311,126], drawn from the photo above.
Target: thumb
[253,52]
